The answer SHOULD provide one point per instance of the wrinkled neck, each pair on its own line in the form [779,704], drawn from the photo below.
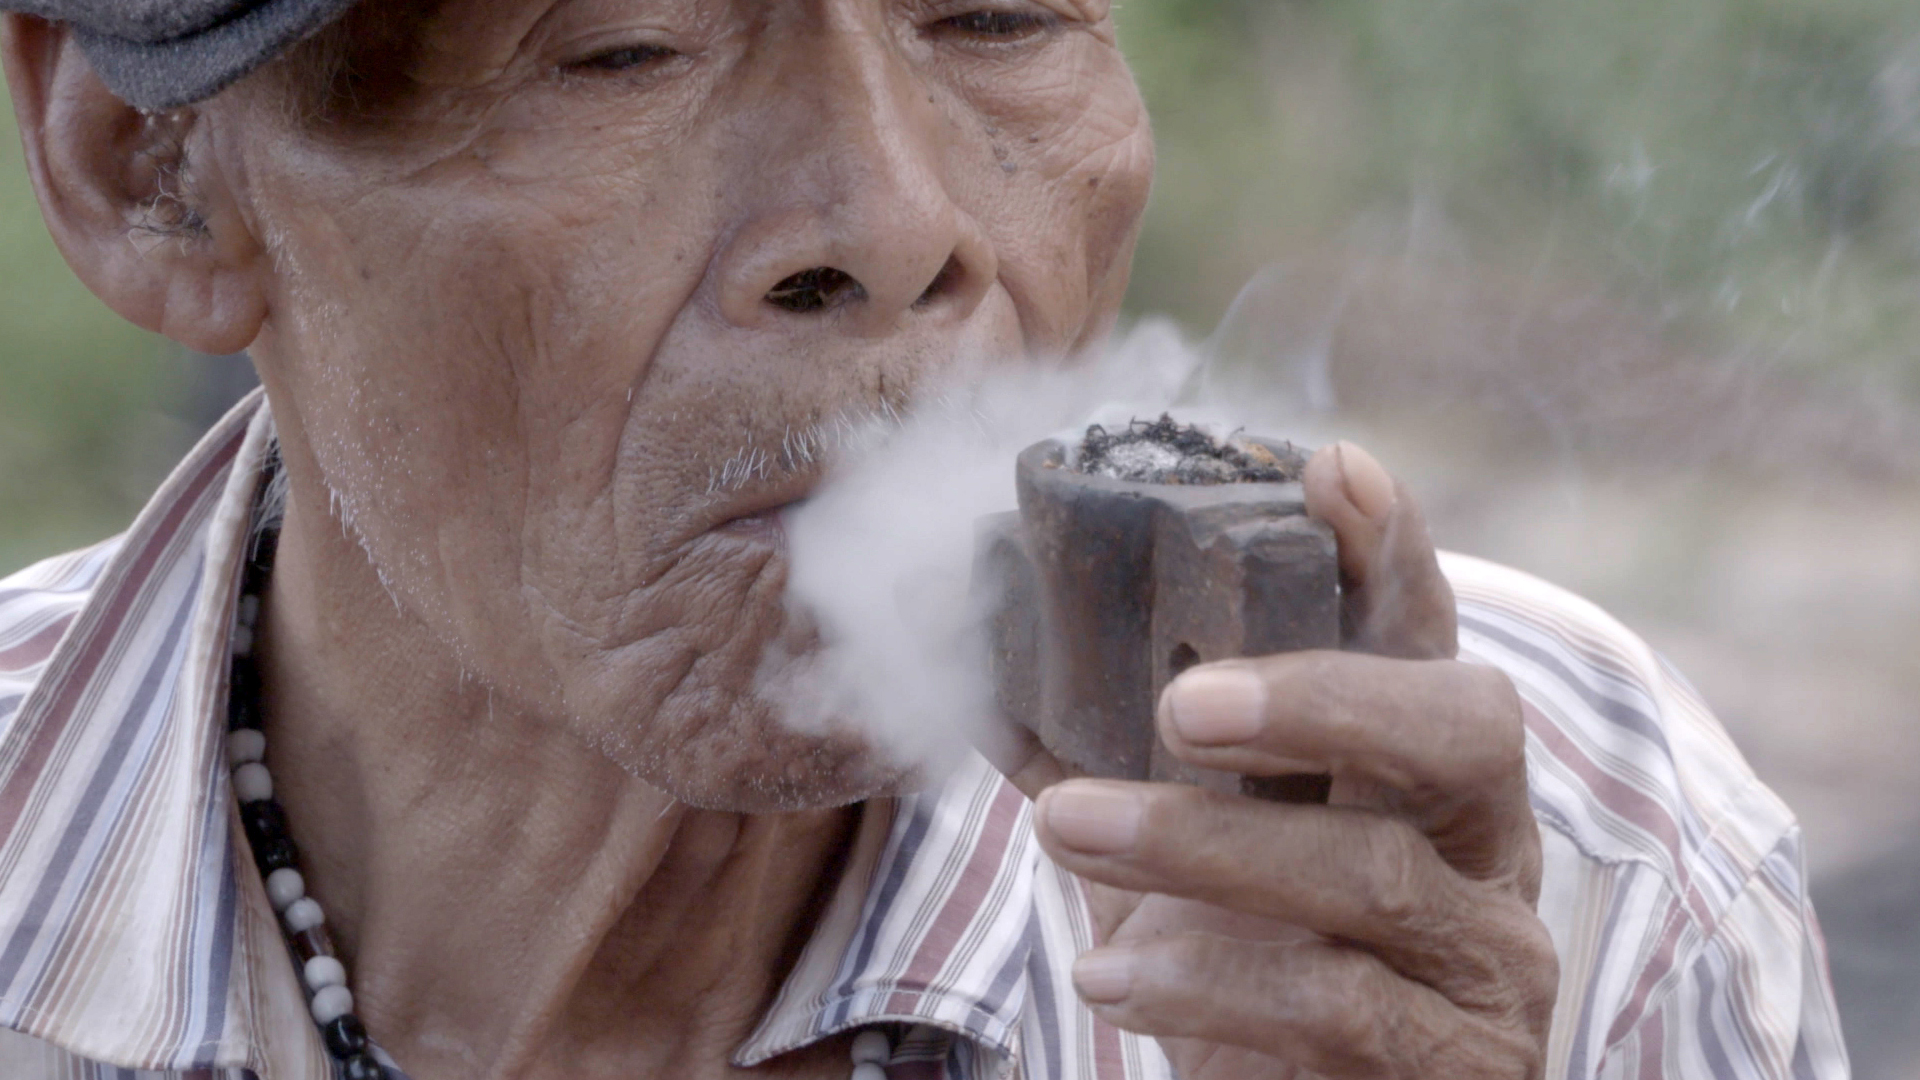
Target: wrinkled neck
[508,901]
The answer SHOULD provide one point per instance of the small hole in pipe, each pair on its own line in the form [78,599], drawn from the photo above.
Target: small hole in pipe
[1182,658]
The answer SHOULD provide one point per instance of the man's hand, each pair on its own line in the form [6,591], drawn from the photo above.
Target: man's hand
[1390,933]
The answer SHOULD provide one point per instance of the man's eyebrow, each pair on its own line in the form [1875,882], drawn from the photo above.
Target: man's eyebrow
[468,43]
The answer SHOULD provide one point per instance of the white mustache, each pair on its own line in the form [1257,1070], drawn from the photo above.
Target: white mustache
[804,449]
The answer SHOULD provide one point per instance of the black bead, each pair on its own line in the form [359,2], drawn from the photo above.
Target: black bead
[264,821]
[361,1067]
[243,695]
[276,854]
[266,827]
[242,715]
[345,1035]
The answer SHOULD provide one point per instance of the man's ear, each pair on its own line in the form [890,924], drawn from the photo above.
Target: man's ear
[154,232]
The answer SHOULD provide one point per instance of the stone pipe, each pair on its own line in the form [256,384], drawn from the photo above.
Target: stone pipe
[1099,591]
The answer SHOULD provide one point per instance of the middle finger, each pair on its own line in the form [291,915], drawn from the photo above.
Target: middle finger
[1349,873]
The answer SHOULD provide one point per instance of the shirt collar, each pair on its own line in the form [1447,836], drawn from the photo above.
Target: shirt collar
[932,924]
[133,930]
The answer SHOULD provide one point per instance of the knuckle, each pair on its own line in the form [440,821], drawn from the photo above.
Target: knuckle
[1515,1053]
[1397,893]
[1530,868]
[1490,1054]
[1349,1019]
[1499,705]
[1540,965]
[1502,695]
[1511,975]
[1489,733]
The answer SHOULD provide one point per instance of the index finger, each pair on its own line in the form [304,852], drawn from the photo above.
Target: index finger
[1438,741]
[1411,725]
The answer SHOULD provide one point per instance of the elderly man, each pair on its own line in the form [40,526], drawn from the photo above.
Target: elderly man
[412,729]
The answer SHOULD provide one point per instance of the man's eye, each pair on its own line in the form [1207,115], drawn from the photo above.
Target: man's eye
[999,24]
[625,58]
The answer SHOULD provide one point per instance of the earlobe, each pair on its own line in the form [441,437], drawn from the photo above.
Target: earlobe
[147,226]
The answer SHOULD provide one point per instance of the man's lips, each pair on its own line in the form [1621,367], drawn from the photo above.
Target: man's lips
[759,511]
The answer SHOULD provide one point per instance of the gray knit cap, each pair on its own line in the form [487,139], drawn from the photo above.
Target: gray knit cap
[158,54]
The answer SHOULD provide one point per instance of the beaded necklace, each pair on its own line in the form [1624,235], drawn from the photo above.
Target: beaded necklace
[322,974]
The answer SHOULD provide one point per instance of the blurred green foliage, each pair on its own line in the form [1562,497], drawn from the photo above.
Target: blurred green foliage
[1751,167]
[1748,168]
[75,383]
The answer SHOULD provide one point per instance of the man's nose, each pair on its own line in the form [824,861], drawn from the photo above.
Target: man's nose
[851,217]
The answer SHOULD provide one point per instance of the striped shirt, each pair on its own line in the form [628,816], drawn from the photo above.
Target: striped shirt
[136,939]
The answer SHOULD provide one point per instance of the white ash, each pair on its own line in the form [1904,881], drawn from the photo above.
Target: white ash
[1165,451]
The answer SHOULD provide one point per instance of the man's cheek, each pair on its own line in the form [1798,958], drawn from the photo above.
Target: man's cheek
[1117,186]
[1066,246]
[710,618]
[1089,174]
[1108,137]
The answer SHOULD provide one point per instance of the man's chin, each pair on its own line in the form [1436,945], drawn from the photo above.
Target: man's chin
[762,725]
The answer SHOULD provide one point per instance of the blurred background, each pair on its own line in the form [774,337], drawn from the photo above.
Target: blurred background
[1628,289]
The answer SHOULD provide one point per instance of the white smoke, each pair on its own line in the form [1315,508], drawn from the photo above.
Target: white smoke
[881,555]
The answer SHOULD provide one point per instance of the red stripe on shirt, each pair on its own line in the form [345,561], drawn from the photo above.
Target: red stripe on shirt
[37,648]
[963,903]
[17,787]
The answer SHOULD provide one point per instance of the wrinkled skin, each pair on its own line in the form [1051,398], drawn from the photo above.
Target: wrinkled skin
[526,321]
[513,296]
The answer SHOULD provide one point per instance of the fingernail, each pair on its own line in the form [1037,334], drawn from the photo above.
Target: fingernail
[1104,976]
[1365,479]
[1218,706]
[1089,816]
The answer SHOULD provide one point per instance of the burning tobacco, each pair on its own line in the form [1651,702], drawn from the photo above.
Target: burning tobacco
[1164,451]
[1134,555]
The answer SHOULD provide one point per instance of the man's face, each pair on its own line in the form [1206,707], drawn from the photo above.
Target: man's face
[562,310]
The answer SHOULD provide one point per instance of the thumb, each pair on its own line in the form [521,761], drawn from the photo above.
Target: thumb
[1397,602]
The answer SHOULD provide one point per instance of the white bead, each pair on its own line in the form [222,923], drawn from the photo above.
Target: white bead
[252,782]
[284,886]
[324,971]
[867,1070]
[244,746]
[303,914]
[243,641]
[249,613]
[872,1045]
[333,1003]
